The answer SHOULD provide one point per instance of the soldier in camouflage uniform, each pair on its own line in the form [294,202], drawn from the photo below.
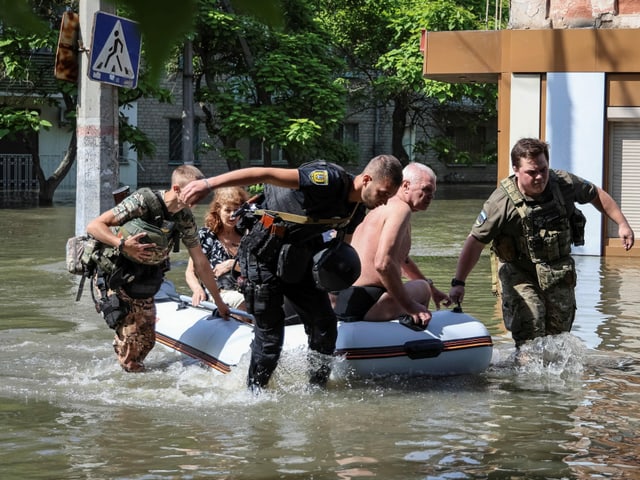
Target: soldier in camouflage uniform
[141,230]
[531,222]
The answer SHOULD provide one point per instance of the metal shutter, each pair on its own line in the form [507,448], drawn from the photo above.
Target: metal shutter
[624,176]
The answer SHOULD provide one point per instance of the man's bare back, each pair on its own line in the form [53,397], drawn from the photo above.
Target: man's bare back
[383,241]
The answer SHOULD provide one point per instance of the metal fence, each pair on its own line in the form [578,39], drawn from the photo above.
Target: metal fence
[17,174]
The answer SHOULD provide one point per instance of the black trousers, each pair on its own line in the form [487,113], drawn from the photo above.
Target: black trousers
[264,297]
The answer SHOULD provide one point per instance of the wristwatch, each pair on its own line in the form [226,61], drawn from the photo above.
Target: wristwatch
[455,283]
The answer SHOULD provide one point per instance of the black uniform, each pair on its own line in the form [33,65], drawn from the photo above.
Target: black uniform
[276,259]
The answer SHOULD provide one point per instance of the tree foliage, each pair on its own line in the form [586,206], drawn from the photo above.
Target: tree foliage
[27,70]
[276,85]
[381,41]
[282,72]
[163,23]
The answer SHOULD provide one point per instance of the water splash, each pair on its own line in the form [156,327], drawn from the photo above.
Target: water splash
[554,362]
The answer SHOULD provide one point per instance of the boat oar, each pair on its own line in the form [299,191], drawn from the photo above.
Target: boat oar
[245,317]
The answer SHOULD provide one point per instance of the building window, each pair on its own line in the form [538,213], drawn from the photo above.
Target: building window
[175,141]
[409,142]
[348,133]
[256,153]
[472,142]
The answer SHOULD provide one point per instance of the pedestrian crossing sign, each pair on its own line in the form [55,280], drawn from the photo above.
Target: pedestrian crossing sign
[115,50]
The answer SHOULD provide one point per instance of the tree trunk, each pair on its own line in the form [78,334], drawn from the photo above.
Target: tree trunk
[49,185]
[399,118]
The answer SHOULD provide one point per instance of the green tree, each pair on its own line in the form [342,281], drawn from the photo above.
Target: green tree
[27,72]
[163,23]
[380,39]
[277,85]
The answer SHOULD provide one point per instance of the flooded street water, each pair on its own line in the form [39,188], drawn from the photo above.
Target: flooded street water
[69,412]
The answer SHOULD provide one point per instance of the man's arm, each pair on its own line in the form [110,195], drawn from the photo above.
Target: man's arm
[387,262]
[198,293]
[281,177]
[99,228]
[204,272]
[411,270]
[468,258]
[607,205]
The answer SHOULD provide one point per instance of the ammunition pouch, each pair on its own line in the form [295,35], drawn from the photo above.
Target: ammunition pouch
[548,245]
[105,258]
[553,274]
[113,310]
[578,222]
[257,297]
[265,239]
[505,248]
[293,262]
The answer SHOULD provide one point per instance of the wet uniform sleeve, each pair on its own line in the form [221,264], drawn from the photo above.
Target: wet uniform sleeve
[131,207]
[325,188]
[326,191]
[493,218]
[584,190]
[186,225]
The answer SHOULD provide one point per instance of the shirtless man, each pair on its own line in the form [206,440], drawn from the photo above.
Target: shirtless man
[379,294]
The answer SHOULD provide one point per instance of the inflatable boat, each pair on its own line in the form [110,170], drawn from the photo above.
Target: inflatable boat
[453,344]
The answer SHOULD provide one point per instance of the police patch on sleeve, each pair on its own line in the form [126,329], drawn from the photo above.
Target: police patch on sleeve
[319,177]
[481,218]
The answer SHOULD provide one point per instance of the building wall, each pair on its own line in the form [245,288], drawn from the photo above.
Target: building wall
[153,120]
[543,14]
[566,83]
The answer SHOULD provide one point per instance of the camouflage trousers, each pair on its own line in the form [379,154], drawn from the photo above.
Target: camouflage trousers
[530,311]
[136,334]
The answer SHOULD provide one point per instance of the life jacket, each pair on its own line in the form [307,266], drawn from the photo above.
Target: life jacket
[547,228]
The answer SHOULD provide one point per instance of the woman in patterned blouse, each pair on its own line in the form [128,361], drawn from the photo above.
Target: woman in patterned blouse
[220,240]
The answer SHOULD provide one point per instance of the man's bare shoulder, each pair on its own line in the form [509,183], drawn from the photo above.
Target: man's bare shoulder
[397,211]
[393,207]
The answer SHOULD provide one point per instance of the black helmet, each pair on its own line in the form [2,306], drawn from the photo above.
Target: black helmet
[336,267]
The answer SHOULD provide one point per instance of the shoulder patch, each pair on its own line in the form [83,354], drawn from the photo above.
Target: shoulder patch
[481,219]
[319,177]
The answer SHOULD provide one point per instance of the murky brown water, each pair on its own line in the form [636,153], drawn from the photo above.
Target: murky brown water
[68,411]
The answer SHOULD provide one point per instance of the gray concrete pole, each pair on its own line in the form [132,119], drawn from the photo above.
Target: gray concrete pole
[187,104]
[97,130]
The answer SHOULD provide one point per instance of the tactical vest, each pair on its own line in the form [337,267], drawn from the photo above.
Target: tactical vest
[160,235]
[158,230]
[546,227]
[290,205]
